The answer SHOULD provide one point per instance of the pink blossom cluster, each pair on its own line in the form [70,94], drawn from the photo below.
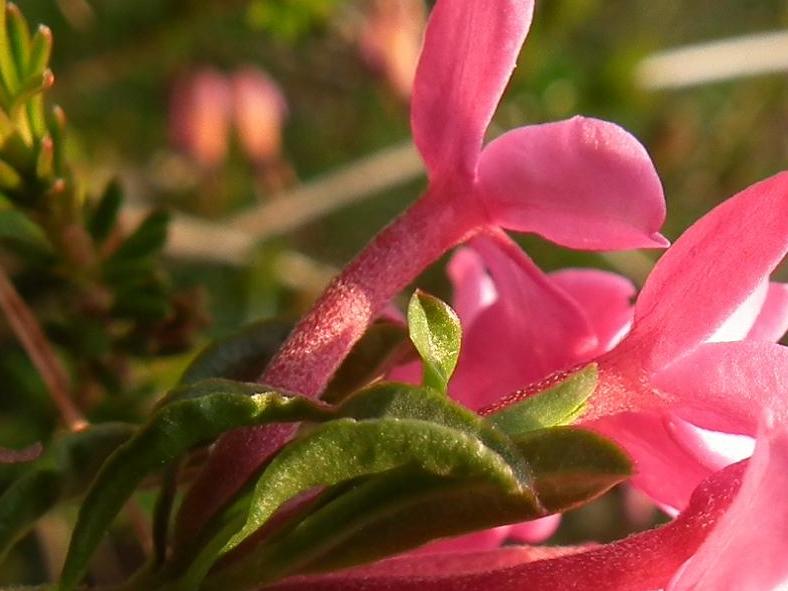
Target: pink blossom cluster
[692,377]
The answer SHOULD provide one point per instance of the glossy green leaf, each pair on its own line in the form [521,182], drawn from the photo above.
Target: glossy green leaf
[345,449]
[188,420]
[64,471]
[435,331]
[103,218]
[383,345]
[148,239]
[560,404]
[240,356]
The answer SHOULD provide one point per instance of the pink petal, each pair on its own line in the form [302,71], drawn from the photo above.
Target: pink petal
[747,549]
[642,562]
[664,470]
[772,323]
[713,449]
[582,183]
[739,324]
[538,530]
[487,539]
[726,386]
[709,272]
[606,299]
[532,330]
[470,49]
[474,289]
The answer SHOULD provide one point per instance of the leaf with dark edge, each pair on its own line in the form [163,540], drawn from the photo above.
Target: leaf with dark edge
[345,449]
[436,333]
[103,218]
[382,346]
[146,240]
[64,471]
[180,425]
[240,356]
[393,512]
[560,404]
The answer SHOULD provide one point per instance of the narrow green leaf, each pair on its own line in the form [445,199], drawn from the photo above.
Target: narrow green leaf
[7,67]
[345,449]
[383,345]
[40,50]
[435,331]
[19,37]
[389,513]
[240,356]
[45,159]
[572,465]
[103,218]
[403,401]
[64,471]
[148,239]
[560,404]
[17,227]
[185,422]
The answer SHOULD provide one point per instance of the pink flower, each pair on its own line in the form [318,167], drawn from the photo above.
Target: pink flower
[390,40]
[200,116]
[259,110]
[582,183]
[731,533]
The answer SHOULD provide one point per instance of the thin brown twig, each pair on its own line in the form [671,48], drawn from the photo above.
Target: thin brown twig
[32,338]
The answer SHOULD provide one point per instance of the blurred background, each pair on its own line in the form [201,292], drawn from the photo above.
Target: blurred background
[277,132]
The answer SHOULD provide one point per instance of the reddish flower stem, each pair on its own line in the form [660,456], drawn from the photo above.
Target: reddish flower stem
[438,221]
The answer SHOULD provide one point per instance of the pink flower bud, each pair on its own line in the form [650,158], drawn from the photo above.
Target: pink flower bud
[259,109]
[200,116]
[391,41]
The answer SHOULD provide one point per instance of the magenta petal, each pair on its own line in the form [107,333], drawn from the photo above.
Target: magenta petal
[709,272]
[487,539]
[726,386]
[664,470]
[538,530]
[583,183]
[606,299]
[533,329]
[473,288]
[738,325]
[470,50]
[748,548]
[772,322]
[642,562]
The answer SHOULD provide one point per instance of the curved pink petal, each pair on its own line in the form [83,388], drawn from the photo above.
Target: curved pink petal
[473,288]
[641,562]
[536,531]
[738,325]
[583,183]
[470,49]
[486,539]
[709,272]
[532,330]
[714,449]
[772,323]
[606,299]
[726,386]
[664,470]
[747,549]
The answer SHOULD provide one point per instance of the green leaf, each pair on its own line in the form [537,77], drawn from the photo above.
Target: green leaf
[435,331]
[399,510]
[40,50]
[403,401]
[17,227]
[383,345]
[242,355]
[64,471]
[104,217]
[345,449]
[7,67]
[572,465]
[147,240]
[192,417]
[560,404]
[19,37]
